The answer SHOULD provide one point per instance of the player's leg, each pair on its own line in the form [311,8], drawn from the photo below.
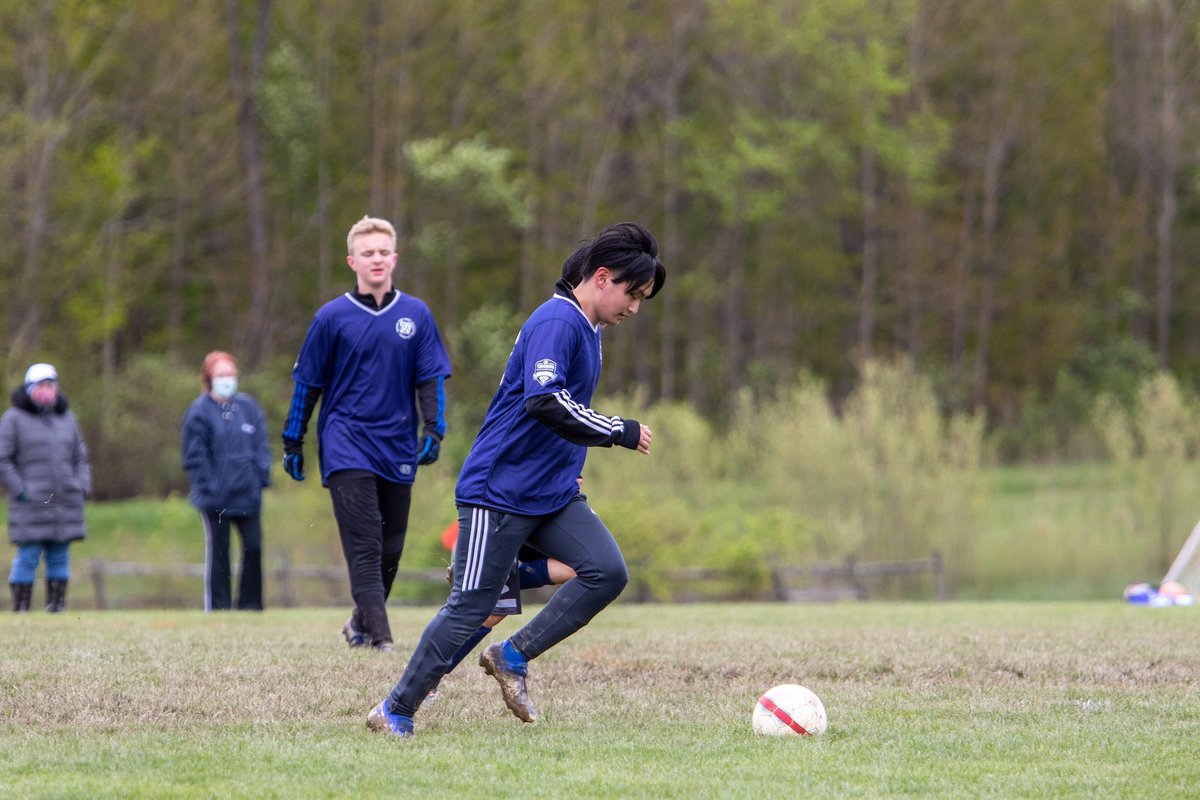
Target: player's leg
[483,559]
[576,537]
[508,603]
[539,571]
[355,498]
[503,661]
[250,585]
[217,592]
[536,570]
[559,572]
[394,502]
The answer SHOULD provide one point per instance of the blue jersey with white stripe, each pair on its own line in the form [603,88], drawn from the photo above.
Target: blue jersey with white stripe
[367,363]
[518,464]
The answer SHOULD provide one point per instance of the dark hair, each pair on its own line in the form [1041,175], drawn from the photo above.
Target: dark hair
[629,252]
[572,270]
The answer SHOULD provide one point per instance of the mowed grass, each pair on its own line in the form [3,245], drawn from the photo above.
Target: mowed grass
[924,700]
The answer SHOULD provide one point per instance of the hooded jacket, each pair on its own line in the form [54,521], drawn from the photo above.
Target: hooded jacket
[45,470]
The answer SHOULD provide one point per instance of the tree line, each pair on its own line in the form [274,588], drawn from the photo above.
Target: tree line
[1004,194]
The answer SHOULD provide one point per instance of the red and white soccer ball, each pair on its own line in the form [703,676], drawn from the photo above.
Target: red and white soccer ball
[790,710]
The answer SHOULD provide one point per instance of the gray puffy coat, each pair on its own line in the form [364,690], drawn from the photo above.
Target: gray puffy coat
[43,459]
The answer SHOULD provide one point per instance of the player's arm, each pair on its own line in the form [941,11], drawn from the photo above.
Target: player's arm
[579,424]
[551,350]
[431,398]
[304,400]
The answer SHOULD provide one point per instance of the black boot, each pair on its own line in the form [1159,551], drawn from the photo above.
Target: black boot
[56,596]
[22,594]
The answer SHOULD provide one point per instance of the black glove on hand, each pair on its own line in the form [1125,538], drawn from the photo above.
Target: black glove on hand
[430,449]
[293,465]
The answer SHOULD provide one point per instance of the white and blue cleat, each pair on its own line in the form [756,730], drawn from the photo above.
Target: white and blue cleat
[381,720]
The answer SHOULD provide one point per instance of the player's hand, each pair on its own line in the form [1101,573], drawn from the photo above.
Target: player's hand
[293,465]
[431,448]
[644,440]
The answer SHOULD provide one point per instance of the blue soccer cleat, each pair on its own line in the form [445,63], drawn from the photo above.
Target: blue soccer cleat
[510,675]
[381,720]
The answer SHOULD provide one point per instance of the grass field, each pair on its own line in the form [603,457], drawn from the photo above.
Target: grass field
[925,700]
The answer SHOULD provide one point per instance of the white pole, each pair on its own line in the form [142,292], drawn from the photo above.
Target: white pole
[1185,556]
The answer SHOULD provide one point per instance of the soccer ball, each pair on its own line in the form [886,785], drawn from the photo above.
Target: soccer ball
[790,710]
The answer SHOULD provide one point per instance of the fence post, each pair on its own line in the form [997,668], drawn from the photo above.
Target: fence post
[285,582]
[939,576]
[860,589]
[98,584]
[779,585]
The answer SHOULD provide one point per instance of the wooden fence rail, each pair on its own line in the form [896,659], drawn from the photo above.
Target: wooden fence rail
[285,574]
[828,581]
[852,576]
[821,582]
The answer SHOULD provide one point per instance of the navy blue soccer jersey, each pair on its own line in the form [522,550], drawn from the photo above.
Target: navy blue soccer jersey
[521,464]
[368,363]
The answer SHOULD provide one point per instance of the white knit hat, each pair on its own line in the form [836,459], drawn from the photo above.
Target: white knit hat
[40,372]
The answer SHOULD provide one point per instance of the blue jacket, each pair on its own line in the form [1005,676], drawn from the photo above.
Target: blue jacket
[226,455]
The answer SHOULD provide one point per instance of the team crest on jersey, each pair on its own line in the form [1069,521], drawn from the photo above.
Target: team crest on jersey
[545,371]
[406,328]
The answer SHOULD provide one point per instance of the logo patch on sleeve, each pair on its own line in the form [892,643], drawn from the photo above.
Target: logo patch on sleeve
[545,371]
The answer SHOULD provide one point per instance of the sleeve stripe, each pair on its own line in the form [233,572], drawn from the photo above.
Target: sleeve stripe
[441,405]
[598,422]
[294,425]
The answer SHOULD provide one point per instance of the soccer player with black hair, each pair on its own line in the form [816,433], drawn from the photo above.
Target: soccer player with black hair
[519,485]
[531,570]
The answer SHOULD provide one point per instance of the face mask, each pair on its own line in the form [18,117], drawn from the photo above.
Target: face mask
[43,394]
[225,387]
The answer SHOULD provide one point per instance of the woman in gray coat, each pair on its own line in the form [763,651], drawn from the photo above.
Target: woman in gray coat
[45,470]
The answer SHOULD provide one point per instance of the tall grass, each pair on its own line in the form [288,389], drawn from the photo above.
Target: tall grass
[794,481]
[887,478]
[1153,443]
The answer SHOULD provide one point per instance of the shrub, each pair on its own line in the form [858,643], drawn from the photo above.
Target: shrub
[131,423]
[888,478]
[1154,441]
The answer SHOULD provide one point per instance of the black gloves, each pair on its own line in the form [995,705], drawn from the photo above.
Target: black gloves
[293,459]
[430,449]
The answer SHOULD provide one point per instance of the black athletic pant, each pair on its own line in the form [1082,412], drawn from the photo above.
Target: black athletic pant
[372,518]
[216,562]
[488,541]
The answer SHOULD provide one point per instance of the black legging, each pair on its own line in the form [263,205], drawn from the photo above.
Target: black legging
[488,541]
[372,518]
